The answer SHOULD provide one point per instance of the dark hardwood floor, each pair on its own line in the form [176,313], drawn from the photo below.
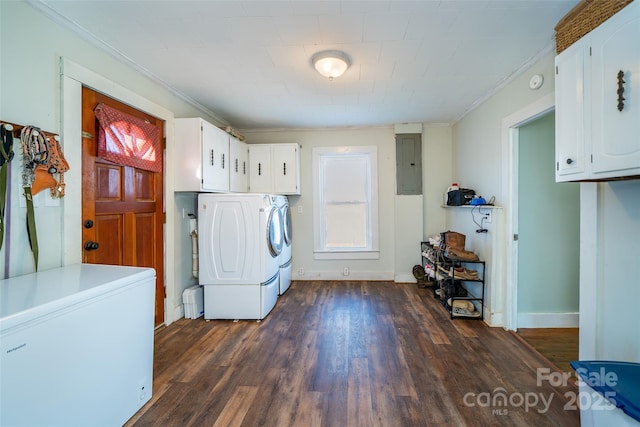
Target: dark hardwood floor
[350,354]
[559,345]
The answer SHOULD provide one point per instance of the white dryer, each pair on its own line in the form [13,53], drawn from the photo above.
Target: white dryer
[285,256]
[239,242]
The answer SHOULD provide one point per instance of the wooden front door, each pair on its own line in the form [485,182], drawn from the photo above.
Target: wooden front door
[122,206]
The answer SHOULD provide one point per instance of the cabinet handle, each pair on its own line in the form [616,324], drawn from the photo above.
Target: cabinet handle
[621,90]
[236,165]
[284,168]
[222,160]
[244,168]
[259,169]
[212,157]
[569,161]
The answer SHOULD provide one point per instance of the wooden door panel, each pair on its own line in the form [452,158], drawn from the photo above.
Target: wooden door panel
[109,232]
[108,182]
[145,239]
[145,184]
[124,203]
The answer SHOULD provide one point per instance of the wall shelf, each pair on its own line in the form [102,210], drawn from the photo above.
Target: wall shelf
[471,206]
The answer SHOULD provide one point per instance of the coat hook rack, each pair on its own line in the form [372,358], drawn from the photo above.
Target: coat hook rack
[16,129]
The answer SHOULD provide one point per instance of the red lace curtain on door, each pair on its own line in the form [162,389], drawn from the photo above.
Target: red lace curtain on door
[128,140]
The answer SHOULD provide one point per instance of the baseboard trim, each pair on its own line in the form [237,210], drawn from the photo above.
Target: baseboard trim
[404,278]
[548,320]
[338,276]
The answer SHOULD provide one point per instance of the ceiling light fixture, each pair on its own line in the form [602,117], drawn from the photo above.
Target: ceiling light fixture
[330,63]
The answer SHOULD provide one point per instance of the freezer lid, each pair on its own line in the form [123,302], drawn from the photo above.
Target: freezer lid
[23,298]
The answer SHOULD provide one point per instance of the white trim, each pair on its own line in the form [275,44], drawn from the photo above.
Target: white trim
[121,57]
[338,276]
[525,66]
[548,320]
[369,156]
[347,255]
[401,128]
[73,77]
[404,278]
[510,135]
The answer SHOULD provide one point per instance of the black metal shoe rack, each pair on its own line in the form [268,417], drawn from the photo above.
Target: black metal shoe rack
[449,286]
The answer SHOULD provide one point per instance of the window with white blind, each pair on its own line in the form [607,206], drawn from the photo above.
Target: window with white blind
[345,214]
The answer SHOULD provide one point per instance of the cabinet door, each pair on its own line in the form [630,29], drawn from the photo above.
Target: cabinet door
[571,72]
[238,168]
[215,158]
[286,168]
[260,177]
[188,140]
[616,127]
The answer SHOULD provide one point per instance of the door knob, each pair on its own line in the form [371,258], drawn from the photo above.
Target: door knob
[88,223]
[91,246]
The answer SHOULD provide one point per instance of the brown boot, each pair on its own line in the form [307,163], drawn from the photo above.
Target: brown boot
[453,239]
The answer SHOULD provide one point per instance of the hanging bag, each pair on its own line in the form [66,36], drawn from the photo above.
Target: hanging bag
[6,155]
[56,164]
[35,153]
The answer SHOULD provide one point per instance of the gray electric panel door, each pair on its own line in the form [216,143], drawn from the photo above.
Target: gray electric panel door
[409,163]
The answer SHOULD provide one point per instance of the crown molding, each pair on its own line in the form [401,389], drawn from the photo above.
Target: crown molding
[100,44]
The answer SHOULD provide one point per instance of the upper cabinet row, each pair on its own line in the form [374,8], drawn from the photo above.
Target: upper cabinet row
[211,160]
[274,168]
[598,102]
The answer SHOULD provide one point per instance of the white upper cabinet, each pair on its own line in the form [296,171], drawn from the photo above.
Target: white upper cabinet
[286,168]
[274,168]
[202,156]
[239,166]
[597,102]
[260,176]
[615,94]
[570,113]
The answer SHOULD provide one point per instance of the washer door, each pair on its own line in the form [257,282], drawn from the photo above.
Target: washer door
[275,238]
[286,222]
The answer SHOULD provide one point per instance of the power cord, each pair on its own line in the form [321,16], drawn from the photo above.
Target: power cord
[484,216]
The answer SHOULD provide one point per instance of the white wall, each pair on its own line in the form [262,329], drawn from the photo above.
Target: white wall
[477,150]
[477,163]
[408,236]
[436,175]
[302,247]
[548,232]
[30,94]
[609,223]
[609,255]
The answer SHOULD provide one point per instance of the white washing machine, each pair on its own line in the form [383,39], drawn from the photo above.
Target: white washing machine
[285,256]
[239,242]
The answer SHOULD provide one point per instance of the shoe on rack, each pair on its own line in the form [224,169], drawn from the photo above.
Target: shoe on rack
[460,255]
[464,274]
[461,312]
[466,305]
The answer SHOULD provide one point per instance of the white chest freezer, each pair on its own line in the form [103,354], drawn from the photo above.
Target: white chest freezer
[76,345]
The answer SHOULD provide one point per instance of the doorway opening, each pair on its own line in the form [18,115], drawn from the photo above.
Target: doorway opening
[543,236]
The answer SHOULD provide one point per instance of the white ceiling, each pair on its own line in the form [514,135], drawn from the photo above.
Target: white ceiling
[248,62]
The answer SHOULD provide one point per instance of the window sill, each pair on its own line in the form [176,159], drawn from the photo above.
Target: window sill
[347,255]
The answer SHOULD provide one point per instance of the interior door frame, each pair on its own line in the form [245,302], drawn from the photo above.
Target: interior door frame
[510,141]
[72,78]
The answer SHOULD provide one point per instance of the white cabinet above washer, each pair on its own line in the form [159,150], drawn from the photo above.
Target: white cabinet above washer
[202,156]
[274,168]
[239,166]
